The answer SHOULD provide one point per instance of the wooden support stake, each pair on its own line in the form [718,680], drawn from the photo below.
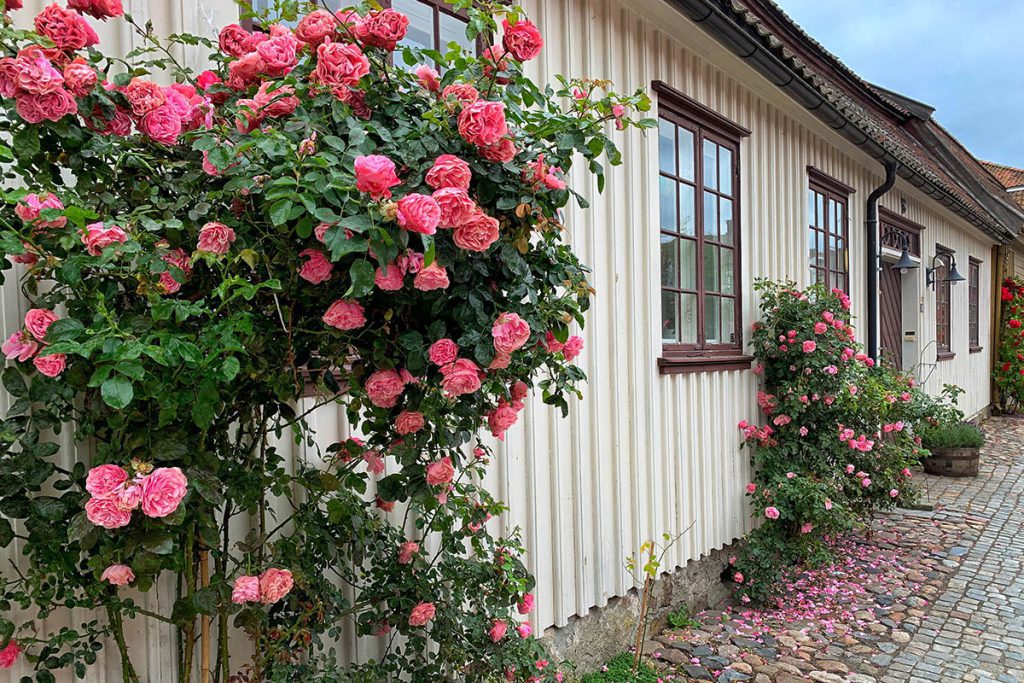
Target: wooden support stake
[204,630]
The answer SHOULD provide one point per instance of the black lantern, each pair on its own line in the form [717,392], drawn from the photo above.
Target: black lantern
[953,276]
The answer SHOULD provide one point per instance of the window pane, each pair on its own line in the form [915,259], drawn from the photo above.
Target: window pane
[669,317]
[687,210]
[712,320]
[812,246]
[421,23]
[840,220]
[667,210]
[710,164]
[688,266]
[710,268]
[669,261]
[666,146]
[819,201]
[832,251]
[688,322]
[728,321]
[453,29]
[725,233]
[821,248]
[832,215]
[728,272]
[811,216]
[685,153]
[710,216]
[842,259]
[725,170]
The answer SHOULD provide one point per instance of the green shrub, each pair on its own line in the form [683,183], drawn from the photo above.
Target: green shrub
[963,435]
[681,618]
[620,670]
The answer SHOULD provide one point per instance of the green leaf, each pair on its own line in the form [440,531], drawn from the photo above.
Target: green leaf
[6,536]
[80,527]
[117,391]
[280,211]
[14,382]
[229,368]
[206,484]
[26,142]
[362,274]
[340,246]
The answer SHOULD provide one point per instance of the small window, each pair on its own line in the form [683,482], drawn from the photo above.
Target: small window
[828,231]
[943,306]
[698,226]
[973,301]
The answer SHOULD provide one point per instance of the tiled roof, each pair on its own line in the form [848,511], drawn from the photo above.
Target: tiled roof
[881,116]
[1007,175]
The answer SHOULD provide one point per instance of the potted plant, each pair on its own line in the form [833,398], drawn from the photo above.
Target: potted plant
[953,449]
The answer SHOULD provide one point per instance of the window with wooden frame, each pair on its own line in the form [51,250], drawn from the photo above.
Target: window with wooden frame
[699,231]
[943,304]
[433,24]
[974,304]
[828,230]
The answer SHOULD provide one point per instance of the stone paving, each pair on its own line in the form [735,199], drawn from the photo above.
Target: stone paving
[928,597]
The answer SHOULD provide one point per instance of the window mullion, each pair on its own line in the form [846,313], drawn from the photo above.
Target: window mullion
[698,232]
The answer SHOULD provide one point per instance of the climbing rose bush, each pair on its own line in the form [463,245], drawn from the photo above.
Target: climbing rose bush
[836,441]
[1009,372]
[321,217]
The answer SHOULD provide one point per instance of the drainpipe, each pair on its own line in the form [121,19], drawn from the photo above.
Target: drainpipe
[871,226]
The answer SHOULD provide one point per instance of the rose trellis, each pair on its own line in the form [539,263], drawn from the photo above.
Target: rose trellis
[326,215]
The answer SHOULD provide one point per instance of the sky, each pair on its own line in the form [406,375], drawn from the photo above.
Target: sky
[965,58]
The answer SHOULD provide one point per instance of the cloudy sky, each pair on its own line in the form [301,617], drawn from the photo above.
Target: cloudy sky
[963,57]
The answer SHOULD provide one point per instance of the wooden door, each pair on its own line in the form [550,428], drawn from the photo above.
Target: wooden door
[890,306]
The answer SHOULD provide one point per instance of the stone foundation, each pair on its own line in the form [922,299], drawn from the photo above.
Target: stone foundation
[590,640]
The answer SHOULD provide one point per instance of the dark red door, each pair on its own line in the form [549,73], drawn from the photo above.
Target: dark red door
[890,305]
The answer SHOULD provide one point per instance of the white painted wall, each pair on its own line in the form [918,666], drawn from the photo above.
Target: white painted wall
[645,454]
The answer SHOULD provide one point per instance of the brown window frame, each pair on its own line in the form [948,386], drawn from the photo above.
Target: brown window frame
[943,299]
[705,125]
[832,192]
[974,305]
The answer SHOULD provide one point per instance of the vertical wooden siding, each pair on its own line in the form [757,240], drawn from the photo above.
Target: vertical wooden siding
[642,454]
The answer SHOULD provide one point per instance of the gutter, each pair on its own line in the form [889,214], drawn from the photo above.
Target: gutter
[871,228]
[733,36]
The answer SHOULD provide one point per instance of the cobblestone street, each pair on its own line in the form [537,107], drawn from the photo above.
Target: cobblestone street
[932,596]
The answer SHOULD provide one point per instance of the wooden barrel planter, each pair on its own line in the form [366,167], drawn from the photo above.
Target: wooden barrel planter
[953,462]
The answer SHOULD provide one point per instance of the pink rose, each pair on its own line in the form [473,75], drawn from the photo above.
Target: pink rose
[461,377]
[144,96]
[443,351]
[100,9]
[176,258]
[120,122]
[97,237]
[162,125]
[9,655]
[497,630]
[340,65]
[510,332]
[384,387]
[215,238]
[806,528]
[524,630]
[428,77]
[20,345]
[79,77]
[275,100]
[525,605]
[501,152]
[246,589]
[317,268]
[419,213]
[456,206]
[865,482]
[409,422]
[316,27]
[375,175]
[51,106]
[345,314]
[382,28]
[275,584]
[430,278]
[573,347]
[476,233]
[494,61]
[407,551]
[162,491]
[500,419]
[738,577]
[51,365]
[522,39]
[463,93]
[67,30]
[449,171]
[385,505]
[103,480]
[809,346]
[118,575]
[771,512]
[893,493]
[389,277]
[482,123]
[828,504]
[421,614]
[245,71]
[31,205]
[232,40]
[279,54]
[501,361]
[751,488]
[440,472]
[107,513]
[38,321]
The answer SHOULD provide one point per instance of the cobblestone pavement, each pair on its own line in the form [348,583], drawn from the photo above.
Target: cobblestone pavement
[930,597]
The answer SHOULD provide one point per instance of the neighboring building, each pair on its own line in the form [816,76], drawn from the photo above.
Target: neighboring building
[767,153]
[1013,180]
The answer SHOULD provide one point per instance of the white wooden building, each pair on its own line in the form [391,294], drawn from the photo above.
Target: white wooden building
[768,144]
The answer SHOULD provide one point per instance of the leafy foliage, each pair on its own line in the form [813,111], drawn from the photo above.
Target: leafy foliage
[963,435]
